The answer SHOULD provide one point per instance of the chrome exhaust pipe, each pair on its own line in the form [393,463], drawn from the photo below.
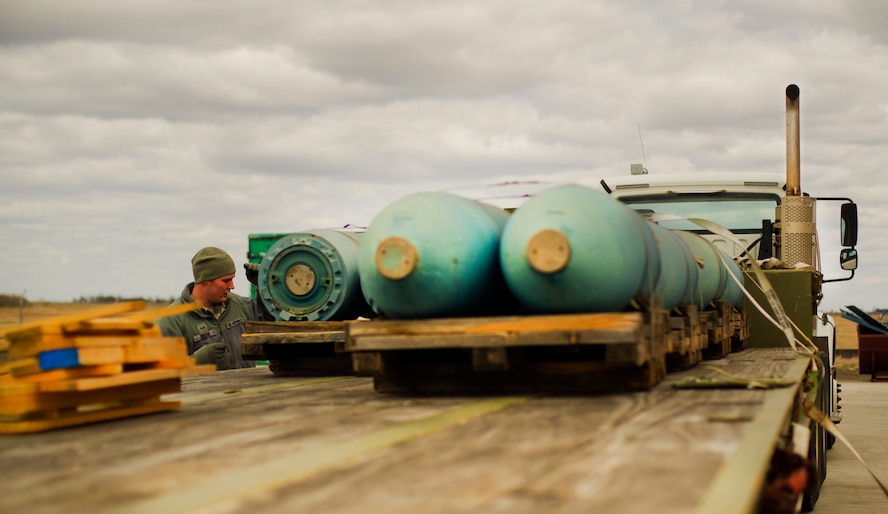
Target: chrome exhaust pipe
[797,236]
[793,152]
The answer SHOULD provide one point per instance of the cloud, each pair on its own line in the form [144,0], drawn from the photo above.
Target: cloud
[133,134]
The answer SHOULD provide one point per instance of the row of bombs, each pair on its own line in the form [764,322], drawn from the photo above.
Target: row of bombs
[569,249]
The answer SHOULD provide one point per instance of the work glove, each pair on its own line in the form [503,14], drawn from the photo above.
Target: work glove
[252,269]
[212,353]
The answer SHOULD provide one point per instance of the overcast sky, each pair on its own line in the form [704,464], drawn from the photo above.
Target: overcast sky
[134,133]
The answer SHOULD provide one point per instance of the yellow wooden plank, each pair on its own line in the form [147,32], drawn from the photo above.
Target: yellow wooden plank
[155,314]
[59,342]
[100,355]
[82,418]
[175,363]
[57,321]
[32,345]
[9,386]
[160,349]
[92,356]
[29,404]
[99,325]
[136,321]
[27,333]
[604,321]
[72,373]
[21,367]
[623,321]
[128,377]
[133,321]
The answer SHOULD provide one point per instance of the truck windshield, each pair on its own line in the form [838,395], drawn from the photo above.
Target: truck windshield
[741,214]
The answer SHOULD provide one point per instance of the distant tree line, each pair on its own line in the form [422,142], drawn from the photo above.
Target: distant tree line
[118,299]
[13,300]
[16,300]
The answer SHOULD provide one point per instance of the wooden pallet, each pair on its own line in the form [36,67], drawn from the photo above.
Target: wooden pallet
[569,353]
[739,328]
[716,323]
[706,334]
[685,332]
[89,367]
[298,348]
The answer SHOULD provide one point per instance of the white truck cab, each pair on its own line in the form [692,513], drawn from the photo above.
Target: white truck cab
[742,203]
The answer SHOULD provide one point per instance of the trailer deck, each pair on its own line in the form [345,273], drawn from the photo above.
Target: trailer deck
[249,441]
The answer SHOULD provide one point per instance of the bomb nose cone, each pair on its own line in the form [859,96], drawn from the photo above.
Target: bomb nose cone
[396,258]
[548,251]
[300,280]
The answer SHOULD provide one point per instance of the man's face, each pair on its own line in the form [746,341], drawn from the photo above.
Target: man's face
[217,289]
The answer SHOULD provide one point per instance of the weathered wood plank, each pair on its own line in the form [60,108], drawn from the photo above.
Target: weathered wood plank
[651,451]
[93,415]
[49,342]
[325,336]
[511,330]
[258,327]
[39,402]
[126,378]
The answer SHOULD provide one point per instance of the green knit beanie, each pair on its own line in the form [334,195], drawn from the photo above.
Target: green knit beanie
[211,263]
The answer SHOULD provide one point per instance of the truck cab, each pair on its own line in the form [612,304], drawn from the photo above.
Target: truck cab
[742,203]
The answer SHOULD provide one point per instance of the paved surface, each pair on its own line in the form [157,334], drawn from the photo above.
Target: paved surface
[849,488]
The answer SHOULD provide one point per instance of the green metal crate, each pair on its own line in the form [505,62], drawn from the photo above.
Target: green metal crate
[257,245]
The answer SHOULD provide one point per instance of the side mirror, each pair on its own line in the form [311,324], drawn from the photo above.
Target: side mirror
[848,259]
[849,228]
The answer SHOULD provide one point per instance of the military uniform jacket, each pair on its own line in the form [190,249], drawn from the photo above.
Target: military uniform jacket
[201,327]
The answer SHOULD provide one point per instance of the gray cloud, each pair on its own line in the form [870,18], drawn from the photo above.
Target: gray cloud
[132,135]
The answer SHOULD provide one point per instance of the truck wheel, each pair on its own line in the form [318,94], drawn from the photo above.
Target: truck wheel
[817,448]
[809,499]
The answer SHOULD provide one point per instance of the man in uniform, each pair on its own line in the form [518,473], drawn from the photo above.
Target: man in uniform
[213,332]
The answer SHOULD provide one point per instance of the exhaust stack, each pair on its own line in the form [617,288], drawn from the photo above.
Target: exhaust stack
[793,153]
[797,235]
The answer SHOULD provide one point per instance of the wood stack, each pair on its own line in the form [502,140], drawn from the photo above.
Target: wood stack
[104,363]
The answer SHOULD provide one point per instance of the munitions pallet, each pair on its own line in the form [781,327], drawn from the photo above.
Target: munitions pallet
[298,348]
[705,334]
[90,367]
[686,339]
[570,353]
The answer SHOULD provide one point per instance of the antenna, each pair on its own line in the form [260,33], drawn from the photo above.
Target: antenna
[639,169]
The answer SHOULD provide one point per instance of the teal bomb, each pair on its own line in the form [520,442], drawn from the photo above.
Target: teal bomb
[574,249]
[733,292]
[312,276]
[678,270]
[433,254]
[711,271]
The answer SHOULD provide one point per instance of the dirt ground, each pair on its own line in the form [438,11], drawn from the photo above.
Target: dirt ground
[846,333]
[11,316]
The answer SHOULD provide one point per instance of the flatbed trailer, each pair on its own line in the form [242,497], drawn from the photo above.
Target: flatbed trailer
[249,441]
